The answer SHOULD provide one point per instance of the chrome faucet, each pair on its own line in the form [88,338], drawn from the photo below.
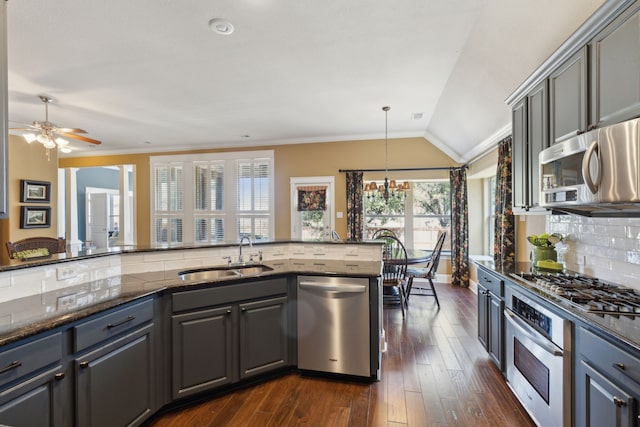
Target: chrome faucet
[242,239]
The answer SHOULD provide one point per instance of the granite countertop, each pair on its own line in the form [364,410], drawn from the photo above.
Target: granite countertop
[625,329]
[35,314]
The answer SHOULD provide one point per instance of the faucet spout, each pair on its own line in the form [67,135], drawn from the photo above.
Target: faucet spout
[242,239]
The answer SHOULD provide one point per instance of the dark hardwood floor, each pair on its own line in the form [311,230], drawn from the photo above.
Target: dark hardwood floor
[434,373]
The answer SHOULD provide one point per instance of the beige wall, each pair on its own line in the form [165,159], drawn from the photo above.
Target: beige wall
[300,160]
[28,161]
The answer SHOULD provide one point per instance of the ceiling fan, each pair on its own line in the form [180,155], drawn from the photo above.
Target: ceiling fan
[49,134]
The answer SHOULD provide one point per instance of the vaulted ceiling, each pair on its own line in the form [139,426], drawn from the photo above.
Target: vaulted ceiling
[151,75]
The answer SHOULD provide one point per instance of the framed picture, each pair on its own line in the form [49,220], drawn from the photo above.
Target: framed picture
[35,191]
[35,217]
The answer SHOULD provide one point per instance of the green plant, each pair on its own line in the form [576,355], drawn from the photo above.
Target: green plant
[545,239]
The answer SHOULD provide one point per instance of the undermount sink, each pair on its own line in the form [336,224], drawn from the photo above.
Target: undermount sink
[216,273]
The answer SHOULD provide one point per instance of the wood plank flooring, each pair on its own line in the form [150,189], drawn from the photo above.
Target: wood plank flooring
[434,373]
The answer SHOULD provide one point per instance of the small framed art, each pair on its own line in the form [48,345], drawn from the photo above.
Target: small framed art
[35,217]
[35,191]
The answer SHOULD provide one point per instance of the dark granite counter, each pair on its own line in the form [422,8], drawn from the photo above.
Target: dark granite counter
[24,317]
[625,329]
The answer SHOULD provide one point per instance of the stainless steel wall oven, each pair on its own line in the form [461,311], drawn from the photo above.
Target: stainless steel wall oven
[538,359]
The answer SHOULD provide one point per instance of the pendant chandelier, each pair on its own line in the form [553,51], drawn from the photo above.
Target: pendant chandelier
[388,189]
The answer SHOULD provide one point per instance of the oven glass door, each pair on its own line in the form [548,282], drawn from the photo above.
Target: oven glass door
[534,371]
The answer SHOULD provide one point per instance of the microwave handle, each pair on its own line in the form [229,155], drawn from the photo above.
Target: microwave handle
[586,173]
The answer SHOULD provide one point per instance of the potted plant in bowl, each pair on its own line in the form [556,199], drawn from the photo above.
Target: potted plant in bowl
[544,253]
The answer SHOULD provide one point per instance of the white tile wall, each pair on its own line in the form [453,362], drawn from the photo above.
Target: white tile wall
[607,248]
[32,281]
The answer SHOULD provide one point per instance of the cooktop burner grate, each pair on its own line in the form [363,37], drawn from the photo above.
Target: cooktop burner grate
[587,293]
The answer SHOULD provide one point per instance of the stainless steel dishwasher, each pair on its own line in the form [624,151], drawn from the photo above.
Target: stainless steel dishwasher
[334,325]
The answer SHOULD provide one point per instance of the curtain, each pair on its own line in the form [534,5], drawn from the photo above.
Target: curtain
[459,228]
[355,206]
[312,198]
[504,232]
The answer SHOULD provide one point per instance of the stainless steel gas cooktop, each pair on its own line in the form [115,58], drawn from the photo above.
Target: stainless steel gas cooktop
[586,293]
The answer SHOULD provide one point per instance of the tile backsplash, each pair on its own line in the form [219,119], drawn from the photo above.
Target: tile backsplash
[606,248]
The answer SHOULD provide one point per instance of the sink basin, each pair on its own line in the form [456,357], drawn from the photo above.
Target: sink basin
[216,273]
[210,274]
[252,270]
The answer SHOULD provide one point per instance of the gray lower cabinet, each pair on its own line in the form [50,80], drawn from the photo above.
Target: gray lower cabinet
[224,334]
[615,67]
[33,384]
[490,316]
[115,382]
[202,350]
[607,383]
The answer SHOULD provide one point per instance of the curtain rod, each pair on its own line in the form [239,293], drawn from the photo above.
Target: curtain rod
[441,168]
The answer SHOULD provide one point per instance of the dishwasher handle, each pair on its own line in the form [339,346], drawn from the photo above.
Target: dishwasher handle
[333,287]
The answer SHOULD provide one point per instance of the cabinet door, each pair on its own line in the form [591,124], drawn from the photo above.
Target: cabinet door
[496,326]
[615,70]
[115,382]
[39,401]
[519,155]
[600,402]
[263,336]
[483,316]
[538,139]
[568,98]
[202,350]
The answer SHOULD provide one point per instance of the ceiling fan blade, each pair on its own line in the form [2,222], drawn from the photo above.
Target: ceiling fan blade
[72,130]
[81,138]
[29,128]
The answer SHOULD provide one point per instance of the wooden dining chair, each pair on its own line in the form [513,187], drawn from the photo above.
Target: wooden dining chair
[428,272]
[53,245]
[394,270]
[381,232]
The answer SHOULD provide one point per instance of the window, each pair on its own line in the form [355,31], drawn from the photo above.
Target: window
[490,191]
[193,197]
[417,217]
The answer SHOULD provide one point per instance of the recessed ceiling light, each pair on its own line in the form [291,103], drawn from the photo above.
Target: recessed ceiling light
[417,116]
[221,26]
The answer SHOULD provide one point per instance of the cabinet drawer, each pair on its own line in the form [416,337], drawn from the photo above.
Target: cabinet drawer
[109,325]
[199,298]
[30,357]
[491,282]
[610,360]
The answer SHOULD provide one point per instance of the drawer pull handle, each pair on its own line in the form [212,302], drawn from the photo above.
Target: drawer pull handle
[631,374]
[59,376]
[619,402]
[228,311]
[115,325]
[84,364]
[13,365]
[243,309]
[486,279]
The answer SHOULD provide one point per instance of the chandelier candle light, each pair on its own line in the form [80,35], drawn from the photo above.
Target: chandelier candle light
[389,188]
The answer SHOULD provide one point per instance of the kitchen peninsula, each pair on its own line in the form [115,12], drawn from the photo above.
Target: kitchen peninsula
[111,338]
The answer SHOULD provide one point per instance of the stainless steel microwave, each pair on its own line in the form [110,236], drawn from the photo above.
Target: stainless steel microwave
[597,171]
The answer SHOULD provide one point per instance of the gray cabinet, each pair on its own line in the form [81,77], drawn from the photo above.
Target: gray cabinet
[615,67]
[607,383]
[264,335]
[115,383]
[568,87]
[34,388]
[490,315]
[224,334]
[202,350]
[530,136]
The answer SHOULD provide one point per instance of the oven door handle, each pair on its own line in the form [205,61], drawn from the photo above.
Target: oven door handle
[524,329]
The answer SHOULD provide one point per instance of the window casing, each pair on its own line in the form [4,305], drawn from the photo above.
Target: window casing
[212,198]
[417,219]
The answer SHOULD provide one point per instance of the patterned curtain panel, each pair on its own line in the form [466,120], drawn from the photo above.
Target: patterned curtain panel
[355,206]
[504,248]
[459,228]
[312,198]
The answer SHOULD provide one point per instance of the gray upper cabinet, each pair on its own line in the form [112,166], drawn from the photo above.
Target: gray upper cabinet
[568,98]
[530,136]
[615,70]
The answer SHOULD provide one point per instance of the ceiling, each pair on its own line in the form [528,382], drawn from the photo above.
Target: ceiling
[150,75]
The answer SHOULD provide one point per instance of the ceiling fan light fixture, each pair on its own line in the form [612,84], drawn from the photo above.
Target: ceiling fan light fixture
[43,138]
[62,142]
[65,150]
[29,137]
[49,144]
